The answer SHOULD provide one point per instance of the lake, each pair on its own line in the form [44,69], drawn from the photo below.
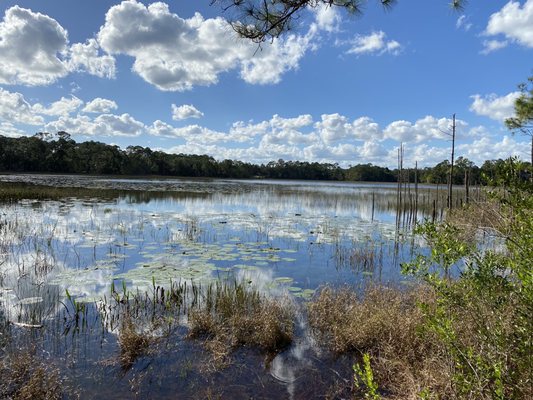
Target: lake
[286,239]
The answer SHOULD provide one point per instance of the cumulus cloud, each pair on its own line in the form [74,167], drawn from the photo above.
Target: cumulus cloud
[31,45]
[34,50]
[276,131]
[15,109]
[514,21]
[185,111]
[274,59]
[86,57]
[489,149]
[374,43]
[335,127]
[64,106]
[192,133]
[334,138]
[100,106]
[267,141]
[493,106]
[175,54]
[102,125]
[426,128]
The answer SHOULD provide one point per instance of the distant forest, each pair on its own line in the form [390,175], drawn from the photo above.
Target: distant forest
[59,153]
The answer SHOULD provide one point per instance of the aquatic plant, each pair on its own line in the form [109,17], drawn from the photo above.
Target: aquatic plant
[25,376]
[132,343]
[232,315]
[364,379]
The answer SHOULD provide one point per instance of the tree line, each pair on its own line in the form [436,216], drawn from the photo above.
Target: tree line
[59,153]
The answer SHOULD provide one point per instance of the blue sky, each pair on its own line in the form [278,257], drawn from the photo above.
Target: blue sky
[338,88]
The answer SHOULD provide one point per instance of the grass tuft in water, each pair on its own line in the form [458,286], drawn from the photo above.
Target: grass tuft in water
[24,376]
[133,344]
[233,315]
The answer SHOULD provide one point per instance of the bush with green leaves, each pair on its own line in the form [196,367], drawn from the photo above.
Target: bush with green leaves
[484,318]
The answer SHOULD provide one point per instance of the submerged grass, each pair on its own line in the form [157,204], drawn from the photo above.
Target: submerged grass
[236,315]
[23,376]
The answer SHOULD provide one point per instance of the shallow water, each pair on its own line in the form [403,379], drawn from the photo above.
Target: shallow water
[284,238]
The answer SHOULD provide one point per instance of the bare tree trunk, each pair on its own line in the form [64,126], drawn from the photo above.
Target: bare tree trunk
[467,185]
[450,180]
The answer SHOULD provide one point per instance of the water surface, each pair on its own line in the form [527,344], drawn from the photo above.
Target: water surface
[285,238]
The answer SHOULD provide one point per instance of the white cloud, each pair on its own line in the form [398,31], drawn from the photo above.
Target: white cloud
[275,125]
[282,138]
[298,122]
[275,59]
[100,106]
[372,150]
[175,54]
[374,43]
[426,128]
[64,106]
[327,17]
[85,57]
[15,109]
[514,21]
[250,129]
[336,127]
[9,130]
[185,111]
[31,45]
[492,106]
[277,130]
[34,50]
[462,23]
[493,45]
[102,125]
[290,137]
[193,133]
[488,149]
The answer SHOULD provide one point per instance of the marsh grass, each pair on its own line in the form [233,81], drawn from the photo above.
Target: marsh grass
[12,192]
[24,376]
[133,344]
[386,324]
[361,257]
[482,218]
[224,316]
[233,315]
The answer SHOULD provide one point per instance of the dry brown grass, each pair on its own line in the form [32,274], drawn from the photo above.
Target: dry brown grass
[478,218]
[386,323]
[133,344]
[233,316]
[23,376]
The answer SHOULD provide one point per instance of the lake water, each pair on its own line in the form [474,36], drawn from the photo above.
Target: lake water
[286,239]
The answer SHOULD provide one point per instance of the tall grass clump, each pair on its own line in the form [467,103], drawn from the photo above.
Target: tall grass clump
[133,344]
[384,324]
[233,315]
[23,376]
